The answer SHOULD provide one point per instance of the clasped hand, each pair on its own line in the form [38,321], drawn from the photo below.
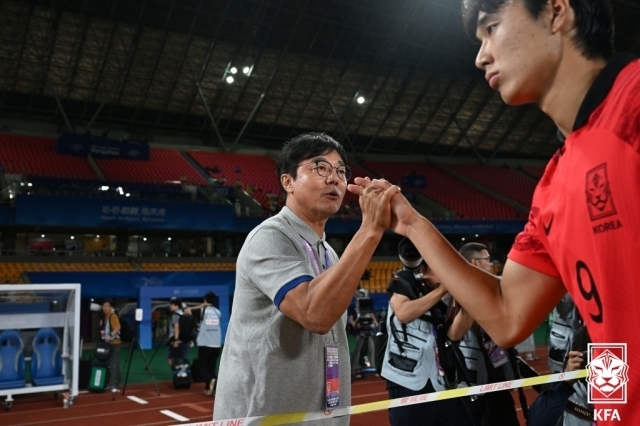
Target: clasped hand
[383,204]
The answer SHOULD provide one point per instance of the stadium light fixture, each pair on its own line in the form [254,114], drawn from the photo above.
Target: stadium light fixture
[73,238]
[234,70]
[127,194]
[169,239]
[144,238]
[360,100]
[29,184]
[246,70]
[463,238]
[229,79]
[42,236]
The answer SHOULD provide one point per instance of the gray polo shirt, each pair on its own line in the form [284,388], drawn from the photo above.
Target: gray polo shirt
[270,363]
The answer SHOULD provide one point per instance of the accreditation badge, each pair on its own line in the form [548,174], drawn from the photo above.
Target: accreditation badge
[332,375]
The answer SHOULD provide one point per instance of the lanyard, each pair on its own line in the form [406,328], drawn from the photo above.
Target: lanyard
[314,259]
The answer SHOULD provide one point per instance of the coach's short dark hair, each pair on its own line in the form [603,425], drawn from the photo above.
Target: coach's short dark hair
[468,250]
[594,22]
[302,147]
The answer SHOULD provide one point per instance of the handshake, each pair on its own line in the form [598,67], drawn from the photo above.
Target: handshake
[383,206]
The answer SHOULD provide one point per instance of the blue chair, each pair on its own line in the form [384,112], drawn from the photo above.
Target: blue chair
[46,360]
[11,360]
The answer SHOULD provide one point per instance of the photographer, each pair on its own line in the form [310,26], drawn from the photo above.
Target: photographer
[486,362]
[110,333]
[209,339]
[411,362]
[566,403]
[177,348]
[363,324]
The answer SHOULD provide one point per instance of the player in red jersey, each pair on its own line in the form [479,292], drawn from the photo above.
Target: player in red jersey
[583,233]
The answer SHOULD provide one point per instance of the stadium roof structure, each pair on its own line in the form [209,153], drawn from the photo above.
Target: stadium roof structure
[165,67]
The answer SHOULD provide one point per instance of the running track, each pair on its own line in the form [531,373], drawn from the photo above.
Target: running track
[103,410]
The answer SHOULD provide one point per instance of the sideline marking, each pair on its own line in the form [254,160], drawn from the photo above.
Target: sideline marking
[138,400]
[175,416]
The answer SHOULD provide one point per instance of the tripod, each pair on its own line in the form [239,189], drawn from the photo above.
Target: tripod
[136,343]
[364,345]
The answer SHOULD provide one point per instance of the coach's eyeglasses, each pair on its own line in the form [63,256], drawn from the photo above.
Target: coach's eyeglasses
[324,169]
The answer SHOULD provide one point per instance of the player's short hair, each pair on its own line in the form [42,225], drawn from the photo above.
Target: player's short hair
[594,22]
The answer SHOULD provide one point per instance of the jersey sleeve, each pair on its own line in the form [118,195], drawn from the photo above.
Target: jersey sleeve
[275,263]
[528,250]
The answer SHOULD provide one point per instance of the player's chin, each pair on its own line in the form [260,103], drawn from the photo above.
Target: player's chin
[513,97]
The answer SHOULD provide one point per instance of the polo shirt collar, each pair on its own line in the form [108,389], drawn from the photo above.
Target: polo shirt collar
[600,89]
[301,227]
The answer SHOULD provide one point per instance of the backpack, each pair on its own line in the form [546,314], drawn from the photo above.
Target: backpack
[188,327]
[126,332]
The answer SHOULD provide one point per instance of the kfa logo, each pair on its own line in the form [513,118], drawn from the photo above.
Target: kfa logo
[598,192]
[608,373]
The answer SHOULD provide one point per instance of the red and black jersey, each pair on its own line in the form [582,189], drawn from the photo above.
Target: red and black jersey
[584,225]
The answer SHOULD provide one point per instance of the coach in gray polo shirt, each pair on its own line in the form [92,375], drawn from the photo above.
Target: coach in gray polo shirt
[292,292]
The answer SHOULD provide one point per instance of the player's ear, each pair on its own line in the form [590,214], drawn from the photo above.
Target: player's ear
[562,16]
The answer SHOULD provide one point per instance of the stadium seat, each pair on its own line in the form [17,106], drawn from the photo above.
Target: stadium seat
[11,360]
[46,362]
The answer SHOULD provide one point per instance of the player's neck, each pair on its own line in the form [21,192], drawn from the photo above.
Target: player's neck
[573,79]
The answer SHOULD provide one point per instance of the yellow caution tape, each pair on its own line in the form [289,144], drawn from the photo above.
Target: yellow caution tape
[288,418]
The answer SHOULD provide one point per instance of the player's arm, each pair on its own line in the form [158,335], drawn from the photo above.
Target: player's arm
[319,303]
[406,310]
[509,309]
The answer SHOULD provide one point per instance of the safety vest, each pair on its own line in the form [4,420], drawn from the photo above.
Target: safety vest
[476,361]
[410,359]
[209,334]
[565,322]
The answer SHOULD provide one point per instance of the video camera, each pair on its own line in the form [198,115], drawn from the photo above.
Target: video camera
[364,308]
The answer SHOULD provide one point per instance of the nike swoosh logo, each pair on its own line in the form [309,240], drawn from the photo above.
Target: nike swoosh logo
[547,229]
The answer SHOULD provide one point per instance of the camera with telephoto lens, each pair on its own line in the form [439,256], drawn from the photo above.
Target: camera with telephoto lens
[411,261]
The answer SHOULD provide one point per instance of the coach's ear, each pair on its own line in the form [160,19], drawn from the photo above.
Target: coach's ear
[287,182]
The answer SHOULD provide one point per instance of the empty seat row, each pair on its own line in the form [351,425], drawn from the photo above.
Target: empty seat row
[46,359]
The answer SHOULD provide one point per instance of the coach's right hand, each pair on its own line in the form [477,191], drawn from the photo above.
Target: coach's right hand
[402,213]
[375,204]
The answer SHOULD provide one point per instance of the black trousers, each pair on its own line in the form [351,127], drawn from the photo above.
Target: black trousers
[496,409]
[448,412]
[208,358]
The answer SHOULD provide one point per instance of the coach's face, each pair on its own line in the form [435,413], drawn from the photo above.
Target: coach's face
[319,186]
